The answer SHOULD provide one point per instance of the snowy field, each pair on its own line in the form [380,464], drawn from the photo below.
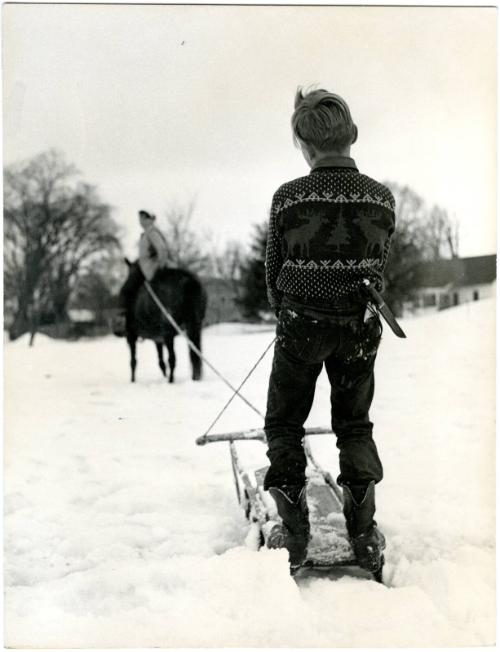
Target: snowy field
[121,532]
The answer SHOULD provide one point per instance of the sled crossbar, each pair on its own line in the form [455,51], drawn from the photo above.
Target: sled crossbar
[256,434]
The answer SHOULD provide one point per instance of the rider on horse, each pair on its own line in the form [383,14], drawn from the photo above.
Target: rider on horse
[153,255]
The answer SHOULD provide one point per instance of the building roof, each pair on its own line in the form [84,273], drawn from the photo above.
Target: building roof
[457,272]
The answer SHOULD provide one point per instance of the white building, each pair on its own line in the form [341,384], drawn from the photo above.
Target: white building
[446,283]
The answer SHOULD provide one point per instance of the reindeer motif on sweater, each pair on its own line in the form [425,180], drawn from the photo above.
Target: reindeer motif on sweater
[302,235]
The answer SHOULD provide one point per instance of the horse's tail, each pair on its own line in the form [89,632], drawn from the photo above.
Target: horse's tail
[197,299]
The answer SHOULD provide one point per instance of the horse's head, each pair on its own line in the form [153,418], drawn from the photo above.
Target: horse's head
[118,321]
[131,264]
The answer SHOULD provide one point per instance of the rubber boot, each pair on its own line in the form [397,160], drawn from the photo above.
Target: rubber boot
[366,539]
[295,517]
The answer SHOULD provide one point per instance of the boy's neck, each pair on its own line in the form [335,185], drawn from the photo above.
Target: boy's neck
[334,161]
[321,159]
[316,158]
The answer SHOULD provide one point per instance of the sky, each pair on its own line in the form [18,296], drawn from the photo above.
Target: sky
[161,105]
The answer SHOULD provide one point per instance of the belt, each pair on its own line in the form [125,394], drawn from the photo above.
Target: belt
[324,310]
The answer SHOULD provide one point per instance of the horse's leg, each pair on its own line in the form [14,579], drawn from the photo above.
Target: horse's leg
[194,333]
[169,343]
[161,361]
[131,339]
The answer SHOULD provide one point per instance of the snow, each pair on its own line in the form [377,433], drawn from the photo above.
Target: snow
[121,532]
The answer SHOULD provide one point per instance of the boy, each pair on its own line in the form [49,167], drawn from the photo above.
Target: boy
[328,231]
[153,255]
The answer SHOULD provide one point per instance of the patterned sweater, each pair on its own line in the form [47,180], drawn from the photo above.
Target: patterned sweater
[328,231]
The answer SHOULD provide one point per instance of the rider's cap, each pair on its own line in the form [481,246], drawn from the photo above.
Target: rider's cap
[149,216]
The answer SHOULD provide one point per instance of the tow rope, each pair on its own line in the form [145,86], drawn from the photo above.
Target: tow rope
[193,347]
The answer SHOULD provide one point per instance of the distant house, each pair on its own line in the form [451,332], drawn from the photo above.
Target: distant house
[445,283]
[81,315]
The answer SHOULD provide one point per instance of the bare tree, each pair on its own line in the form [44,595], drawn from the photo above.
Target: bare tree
[441,233]
[227,262]
[97,287]
[55,227]
[422,234]
[184,242]
[451,237]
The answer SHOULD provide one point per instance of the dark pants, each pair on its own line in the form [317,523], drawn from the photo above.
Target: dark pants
[130,289]
[347,346]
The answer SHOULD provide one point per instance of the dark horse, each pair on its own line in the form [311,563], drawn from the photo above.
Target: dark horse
[183,296]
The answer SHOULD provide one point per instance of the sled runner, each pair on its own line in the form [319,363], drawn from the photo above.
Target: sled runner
[329,545]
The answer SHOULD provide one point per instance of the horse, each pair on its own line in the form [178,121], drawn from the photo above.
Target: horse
[184,297]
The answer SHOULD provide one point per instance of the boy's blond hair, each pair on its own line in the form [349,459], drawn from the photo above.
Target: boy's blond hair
[323,120]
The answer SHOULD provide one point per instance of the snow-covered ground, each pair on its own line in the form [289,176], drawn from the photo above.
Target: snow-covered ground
[121,532]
